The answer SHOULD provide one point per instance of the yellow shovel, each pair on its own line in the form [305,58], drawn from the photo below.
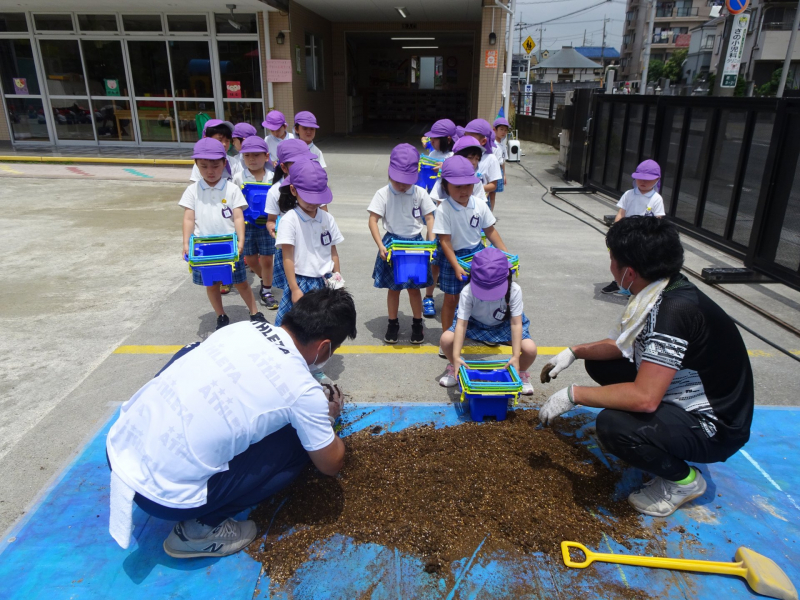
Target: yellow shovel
[761,573]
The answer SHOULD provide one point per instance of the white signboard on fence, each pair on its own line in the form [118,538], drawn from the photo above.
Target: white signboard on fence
[733,57]
[528,99]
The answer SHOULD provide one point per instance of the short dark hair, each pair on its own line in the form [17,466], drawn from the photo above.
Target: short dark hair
[470,151]
[647,244]
[324,314]
[222,129]
[445,143]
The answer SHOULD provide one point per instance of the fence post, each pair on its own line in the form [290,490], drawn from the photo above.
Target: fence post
[552,102]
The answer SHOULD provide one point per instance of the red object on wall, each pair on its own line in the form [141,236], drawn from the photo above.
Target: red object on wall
[234,89]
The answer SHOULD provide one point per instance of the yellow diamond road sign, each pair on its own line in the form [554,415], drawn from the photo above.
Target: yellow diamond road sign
[529,44]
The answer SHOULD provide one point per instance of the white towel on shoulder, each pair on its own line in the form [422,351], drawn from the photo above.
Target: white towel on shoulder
[120,520]
[633,317]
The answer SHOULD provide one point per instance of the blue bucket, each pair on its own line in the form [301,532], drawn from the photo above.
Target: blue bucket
[427,177]
[481,407]
[410,267]
[212,274]
[256,196]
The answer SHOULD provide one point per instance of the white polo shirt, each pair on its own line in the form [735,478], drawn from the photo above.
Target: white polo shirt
[463,223]
[213,206]
[634,203]
[273,195]
[500,151]
[315,150]
[489,168]
[243,383]
[312,238]
[273,143]
[440,155]
[402,214]
[246,176]
[232,167]
[437,194]
[489,313]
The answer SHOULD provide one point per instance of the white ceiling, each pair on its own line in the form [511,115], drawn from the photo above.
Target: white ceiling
[140,6]
[384,10]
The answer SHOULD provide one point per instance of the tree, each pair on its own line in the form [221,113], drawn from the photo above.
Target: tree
[655,71]
[673,69]
[771,87]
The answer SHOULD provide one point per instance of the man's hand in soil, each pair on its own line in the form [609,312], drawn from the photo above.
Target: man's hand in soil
[335,400]
[556,405]
[555,365]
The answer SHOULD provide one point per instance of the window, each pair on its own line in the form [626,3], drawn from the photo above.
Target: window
[17,69]
[187,24]
[105,67]
[142,23]
[97,22]
[27,119]
[708,42]
[239,62]
[315,79]
[246,23]
[62,67]
[53,22]
[72,119]
[191,69]
[13,22]
[777,18]
[149,68]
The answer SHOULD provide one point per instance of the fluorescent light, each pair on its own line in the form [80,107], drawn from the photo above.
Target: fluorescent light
[414,38]
[402,11]
[420,47]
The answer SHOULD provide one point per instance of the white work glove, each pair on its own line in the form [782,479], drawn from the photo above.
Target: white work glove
[556,405]
[335,281]
[555,365]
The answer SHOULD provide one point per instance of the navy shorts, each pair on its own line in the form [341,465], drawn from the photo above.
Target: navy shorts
[258,241]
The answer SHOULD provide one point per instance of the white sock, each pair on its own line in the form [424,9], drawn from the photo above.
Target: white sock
[195,529]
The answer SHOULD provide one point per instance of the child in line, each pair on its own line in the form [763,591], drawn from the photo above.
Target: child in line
[488,167]
[501,127]
[307,235]
[241,131]
[221,131]
[259,246]
[490,310]
[441,138]
[275,123]
[213,206]
[305,128]
[642,200]
[404,207]
[458,223]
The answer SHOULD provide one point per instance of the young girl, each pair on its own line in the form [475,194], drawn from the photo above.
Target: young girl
[259,246]
[307,235]
[305,128]
[501,127]
[213,206]
[241,131]
[490,310]
[403,206]
[458,223]
[488,167]
[442,136]
[222,131]
[275,123]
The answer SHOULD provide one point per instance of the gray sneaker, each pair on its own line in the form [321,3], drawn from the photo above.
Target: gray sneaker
[226,538]
[661,498]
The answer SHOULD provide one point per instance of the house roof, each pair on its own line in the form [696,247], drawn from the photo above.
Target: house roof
[568,58]
[594,52]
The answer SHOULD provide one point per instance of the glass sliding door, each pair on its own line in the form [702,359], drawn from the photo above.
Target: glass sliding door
[22,97]
[109,90]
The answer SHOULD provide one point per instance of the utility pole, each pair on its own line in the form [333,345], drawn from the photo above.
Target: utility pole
[603,47]
[651,18]
[540,42]
[584,37]
[789,52]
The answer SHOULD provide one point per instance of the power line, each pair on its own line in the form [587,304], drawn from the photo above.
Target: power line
[574,12]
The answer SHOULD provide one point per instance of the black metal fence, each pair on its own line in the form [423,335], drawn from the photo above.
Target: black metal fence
[729,168]
[539,104]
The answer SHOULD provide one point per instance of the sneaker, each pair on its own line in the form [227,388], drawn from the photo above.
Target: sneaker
[267,299]
[391,331]
[611,288]
[661,498]
[258,318]
[417,333]
[222,320]
[449,377]
[428,308]
[226,538]
[490,344]
[224,289]
[441,353]
[527,388]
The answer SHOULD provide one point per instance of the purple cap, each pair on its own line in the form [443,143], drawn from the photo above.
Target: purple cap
[467,142]
[481,127]
[442,128]
[501,121]
[209,148]
[458,171]
[215,122]
[306,119]
[404,164]
[274,121]
[293,150]
[311,182]
[647,170]
[254,144]
[243,130]
[489,275]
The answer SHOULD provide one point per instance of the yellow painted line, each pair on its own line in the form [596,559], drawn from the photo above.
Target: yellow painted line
[97,160]
[398,349]
[21,158]
[6,169]
[147,349]
[172,161]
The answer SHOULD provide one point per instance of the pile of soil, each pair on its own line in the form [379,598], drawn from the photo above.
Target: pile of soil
[437,493]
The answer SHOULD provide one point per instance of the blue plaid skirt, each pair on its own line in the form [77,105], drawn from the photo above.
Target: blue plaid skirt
[447,276]
[500,185]
[239,273]
[257,240]
[307,284]
[494,334]
[278,274]
[383,273]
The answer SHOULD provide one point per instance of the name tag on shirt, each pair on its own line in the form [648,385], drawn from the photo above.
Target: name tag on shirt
[416,212]
[325,238]
[474,221]
[226,212]
[499,314]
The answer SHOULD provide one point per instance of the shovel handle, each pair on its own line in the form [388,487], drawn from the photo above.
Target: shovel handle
[681,564]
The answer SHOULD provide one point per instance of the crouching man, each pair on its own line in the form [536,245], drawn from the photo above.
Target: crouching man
[226,424]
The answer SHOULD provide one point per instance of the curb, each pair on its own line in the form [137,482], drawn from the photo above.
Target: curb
[86,159]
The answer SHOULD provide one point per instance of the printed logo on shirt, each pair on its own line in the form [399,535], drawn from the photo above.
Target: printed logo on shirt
[325,238]
[499,314]
[474,221]
[269,332]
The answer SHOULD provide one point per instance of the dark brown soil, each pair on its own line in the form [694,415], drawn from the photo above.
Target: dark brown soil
[437,493]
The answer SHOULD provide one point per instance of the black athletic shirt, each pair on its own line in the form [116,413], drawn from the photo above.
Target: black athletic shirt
[688,332]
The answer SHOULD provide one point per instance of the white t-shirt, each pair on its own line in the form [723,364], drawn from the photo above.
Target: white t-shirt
[403,214]
[208,204]
[243,383]
[634,203]
[314,150]
[463,223]
[273,142]
[489,313]
[246,176]
[440,155]
[312,239]
[489,168]
[500,151]
[437,194]
[234,168]
[273,195]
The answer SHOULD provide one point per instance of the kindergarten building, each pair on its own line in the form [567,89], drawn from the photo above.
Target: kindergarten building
[75,72]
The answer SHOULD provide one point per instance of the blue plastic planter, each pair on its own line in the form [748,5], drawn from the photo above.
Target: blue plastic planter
[256,196]
[410,267]
[427,177]
[212,274]
[481,406]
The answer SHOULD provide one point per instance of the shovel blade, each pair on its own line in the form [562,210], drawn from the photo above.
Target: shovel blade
[764,576]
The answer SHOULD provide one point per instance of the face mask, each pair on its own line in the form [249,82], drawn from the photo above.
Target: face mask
[321,365]
[625,291]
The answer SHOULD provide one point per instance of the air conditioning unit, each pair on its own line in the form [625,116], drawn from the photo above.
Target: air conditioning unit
[514,151]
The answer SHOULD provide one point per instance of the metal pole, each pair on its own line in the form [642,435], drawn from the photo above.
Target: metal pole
[528,73]
[510,20]
[651,18]
[789,52]
[540,43]
[603,47]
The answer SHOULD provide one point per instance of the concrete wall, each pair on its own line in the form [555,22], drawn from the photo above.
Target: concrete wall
[5,134]
[537,129]
[490,81]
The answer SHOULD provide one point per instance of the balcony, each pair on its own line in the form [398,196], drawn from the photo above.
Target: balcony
[681,13]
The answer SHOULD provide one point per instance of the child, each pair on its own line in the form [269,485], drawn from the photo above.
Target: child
[275,123]
[305,128]
[259,246]
[307,235]
[642,200]
[488,167]
[403,206]
[442,136]
[241,131]
[458,223]
[213,206]
[490,310]
[223,132]
[501,127]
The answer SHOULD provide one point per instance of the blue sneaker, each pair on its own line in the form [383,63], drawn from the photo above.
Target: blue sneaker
[428,307]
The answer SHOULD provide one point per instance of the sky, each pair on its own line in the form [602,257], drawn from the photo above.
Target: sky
[570,30]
